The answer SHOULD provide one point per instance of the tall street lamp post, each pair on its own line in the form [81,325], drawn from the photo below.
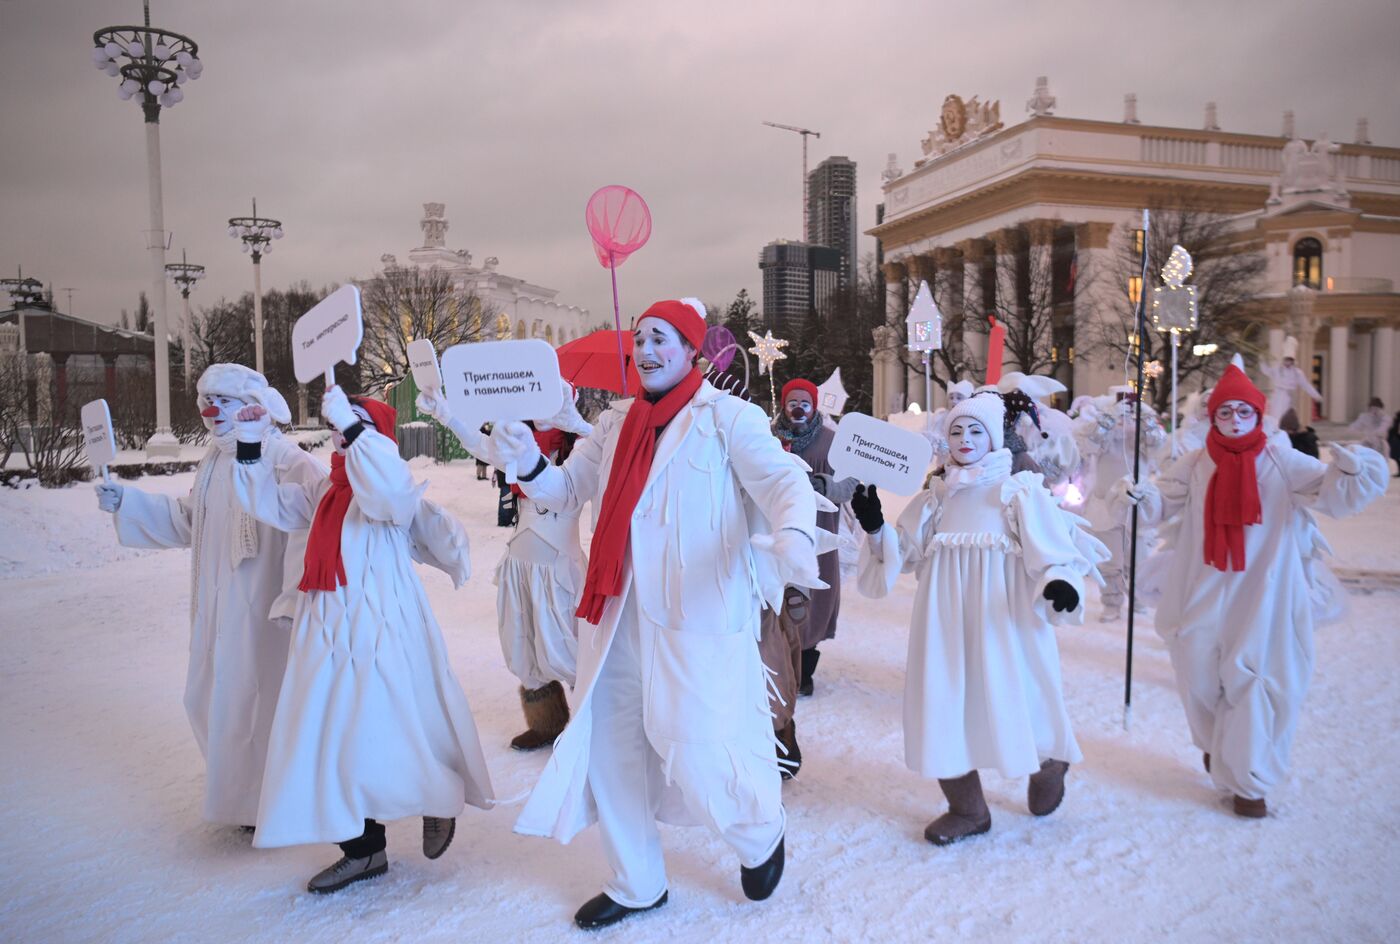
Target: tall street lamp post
[154,65]
[256,233]
[185,274]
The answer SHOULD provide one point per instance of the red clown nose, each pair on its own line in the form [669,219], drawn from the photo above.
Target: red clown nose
[209,412]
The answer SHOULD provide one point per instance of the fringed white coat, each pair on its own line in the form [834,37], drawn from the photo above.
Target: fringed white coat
[370,723]
[243,590]
[982,688]
[698,580]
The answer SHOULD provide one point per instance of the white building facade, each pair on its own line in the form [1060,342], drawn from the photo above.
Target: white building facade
[1325,216]
[517,308]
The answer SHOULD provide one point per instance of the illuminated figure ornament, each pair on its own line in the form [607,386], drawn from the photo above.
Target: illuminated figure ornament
[768,350]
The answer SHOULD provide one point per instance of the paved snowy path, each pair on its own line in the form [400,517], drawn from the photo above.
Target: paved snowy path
[101,787]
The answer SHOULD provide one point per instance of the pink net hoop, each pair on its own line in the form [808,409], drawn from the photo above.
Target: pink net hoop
[719,347]
[619,222]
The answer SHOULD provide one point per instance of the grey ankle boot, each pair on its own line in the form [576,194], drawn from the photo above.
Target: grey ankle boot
[348,871]
[437,835]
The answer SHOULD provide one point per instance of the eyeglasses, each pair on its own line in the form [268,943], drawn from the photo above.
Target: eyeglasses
[1244,411]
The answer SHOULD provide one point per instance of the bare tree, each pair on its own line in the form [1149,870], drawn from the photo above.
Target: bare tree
[1226,276]
[406,303]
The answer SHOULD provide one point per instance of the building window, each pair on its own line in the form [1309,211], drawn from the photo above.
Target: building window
[502,327]
[549,334]
[1138,238]
[1134,288]
[1307,263]
[520,329]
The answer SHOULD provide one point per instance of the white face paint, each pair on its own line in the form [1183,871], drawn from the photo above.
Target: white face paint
[799,408]
[968,440]
[217,411]
[955,397]
[662,357]
[1235,418]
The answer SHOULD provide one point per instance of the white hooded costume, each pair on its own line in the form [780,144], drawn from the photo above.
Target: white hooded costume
[1287,380]
[243,578]
[983,688]
[371,723]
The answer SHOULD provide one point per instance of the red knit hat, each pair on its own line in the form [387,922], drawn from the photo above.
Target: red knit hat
[381,414]
[681,316]
[1234,385]
[797,383]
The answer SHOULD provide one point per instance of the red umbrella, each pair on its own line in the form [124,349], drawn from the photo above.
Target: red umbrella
[591,361]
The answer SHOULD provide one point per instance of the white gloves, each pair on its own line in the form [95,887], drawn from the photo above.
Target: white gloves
[109,496]
[434,403]
[251,422]
[514,442]
[568,418]
[1136,493]
[1344,459]
[797,555]
[335,407]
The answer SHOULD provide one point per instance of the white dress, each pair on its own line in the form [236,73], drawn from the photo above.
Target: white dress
[371,723]
[1241,643]
[537,585]
[243,578]
[982,688]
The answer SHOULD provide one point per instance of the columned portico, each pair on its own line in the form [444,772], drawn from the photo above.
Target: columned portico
[1338,373]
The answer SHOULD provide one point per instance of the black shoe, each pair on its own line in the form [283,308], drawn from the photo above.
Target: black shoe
[809,666]
[601,911]
[760,881]
[791,762]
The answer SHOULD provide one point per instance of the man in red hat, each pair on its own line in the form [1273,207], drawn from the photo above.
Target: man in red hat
[671,705]
[1237,612]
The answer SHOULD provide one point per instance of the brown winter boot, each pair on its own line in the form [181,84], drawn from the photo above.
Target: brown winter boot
[546,713]
[1047,787]
[1250,809]
[967,811]
[1205,759]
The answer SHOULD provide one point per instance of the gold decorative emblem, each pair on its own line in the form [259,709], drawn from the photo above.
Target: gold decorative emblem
[954,120]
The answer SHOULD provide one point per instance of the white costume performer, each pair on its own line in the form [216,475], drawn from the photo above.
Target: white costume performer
[1056,452]
[998,564]
[1241,639]
[243,578]
[938,423]
[1287,379]
[371,724]
[1106,442]
[671,717]
[1372,426]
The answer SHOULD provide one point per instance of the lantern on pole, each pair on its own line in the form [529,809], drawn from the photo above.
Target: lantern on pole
[925,327]
[832,395]
[1174,312]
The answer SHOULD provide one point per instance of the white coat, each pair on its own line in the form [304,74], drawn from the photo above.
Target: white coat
[1241,643]
[1287,381]
[982,687]
[1373,426]
[243,578]
[697,584]
[370,723]
[538,582]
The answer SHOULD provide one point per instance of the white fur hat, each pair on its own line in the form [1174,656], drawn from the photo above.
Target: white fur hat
[962,386]
[235,380]
[1290,347]
[987,409]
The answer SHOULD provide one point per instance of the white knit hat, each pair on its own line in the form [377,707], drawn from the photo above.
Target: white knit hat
[235,380]
[962,386]
[985,408]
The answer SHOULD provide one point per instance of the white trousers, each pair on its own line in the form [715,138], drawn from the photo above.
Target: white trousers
[625,776]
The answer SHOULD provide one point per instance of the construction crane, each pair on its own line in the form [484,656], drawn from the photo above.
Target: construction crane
[804,132]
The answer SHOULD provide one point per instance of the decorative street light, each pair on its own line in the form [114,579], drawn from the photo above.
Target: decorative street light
[925,326]
[154,66]
[23,290]
[185,274]
[257,234]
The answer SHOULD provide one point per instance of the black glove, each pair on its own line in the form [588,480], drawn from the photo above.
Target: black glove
[866,504]
[1061,595]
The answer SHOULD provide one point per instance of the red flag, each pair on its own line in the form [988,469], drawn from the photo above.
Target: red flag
[996,340]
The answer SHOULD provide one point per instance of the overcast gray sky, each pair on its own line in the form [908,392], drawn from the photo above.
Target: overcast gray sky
[344,116]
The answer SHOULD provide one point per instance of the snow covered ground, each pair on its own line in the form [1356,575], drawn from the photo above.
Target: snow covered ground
[101,784]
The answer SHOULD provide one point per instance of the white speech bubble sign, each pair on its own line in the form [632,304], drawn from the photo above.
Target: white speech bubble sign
[422,358]
[97,435]
[498,381]
[327,335]
[880,453]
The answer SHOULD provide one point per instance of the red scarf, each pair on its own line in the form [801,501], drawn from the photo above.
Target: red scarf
[1232,498]
[324,567]
[636,446]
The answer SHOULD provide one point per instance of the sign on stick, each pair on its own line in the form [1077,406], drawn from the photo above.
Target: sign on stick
[880,453]
[498,381]
[97,435]
[423,359]
[327,335]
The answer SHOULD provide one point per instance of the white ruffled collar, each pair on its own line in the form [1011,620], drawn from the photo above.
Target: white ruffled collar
[991,468]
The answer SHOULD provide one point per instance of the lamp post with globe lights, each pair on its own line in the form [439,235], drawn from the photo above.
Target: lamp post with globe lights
[154,66]
[256,233]
[185,275]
